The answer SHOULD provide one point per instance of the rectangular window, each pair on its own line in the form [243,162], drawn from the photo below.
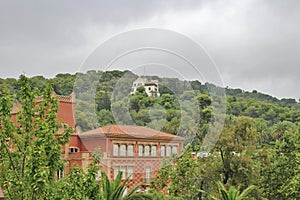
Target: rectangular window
[60,174]
[130,172]
[123,150]
[153,150]
[127,171]
[116,171]
[73,150]
[141,149]
[148,174]
[123,170]
[163,150]
[130,150]
[116,150]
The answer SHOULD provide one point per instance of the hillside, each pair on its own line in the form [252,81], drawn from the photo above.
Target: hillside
[240,138]
[98,92]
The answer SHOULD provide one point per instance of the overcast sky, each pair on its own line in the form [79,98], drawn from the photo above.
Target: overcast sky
[254,43]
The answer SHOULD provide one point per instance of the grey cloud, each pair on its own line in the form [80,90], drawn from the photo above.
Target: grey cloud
[255,43]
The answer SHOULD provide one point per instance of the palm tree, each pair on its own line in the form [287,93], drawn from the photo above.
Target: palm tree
[233,193]
[115,190]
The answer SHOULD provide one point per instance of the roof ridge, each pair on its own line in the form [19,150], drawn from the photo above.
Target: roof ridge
[132,130]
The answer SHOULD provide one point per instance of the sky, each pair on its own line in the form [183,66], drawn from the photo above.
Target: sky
[253,44]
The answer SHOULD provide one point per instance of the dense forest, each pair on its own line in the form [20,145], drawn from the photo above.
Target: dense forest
[100,92]
[258,142]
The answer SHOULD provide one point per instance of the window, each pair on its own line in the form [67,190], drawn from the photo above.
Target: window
[163,150]
[149,88]
[116,171]
[130,150]
[98,177]
[60,174]
[169,150]
[153,150]
[175,150]
[148,174]
[130,172]
[123,150]
[73,150]
[141,149]
[123,170]
[147,150]
[116,150]
[127,171]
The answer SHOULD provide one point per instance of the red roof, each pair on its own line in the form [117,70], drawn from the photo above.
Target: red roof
[130,132]
[151,84]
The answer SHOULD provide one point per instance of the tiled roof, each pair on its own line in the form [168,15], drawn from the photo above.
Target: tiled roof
[149,84]
[129,132]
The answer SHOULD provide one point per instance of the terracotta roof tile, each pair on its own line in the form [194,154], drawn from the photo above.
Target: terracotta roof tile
[129,132]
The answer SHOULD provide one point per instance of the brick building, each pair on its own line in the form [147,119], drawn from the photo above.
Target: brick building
[65,113]
[134,150]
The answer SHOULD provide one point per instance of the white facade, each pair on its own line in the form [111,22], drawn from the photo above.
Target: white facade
[151,88]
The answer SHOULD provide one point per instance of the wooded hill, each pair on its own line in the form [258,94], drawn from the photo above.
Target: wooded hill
[96,91]
[258,142]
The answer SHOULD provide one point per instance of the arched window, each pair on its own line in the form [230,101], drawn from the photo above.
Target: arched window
[163,150]
[175,149]
[153,150]
[116,150]
[147,150]
[122,150]
[169,150]
[141,150]
[130,150]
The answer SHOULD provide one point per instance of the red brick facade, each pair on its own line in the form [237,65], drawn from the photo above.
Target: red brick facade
[136,151]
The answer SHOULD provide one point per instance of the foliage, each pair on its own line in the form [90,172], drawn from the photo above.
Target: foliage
[280,179]
[259,139]
[232,193]
[30,148]
[79,184]
[116,190]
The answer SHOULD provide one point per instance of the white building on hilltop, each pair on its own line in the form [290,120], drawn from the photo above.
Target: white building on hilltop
[151,88]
